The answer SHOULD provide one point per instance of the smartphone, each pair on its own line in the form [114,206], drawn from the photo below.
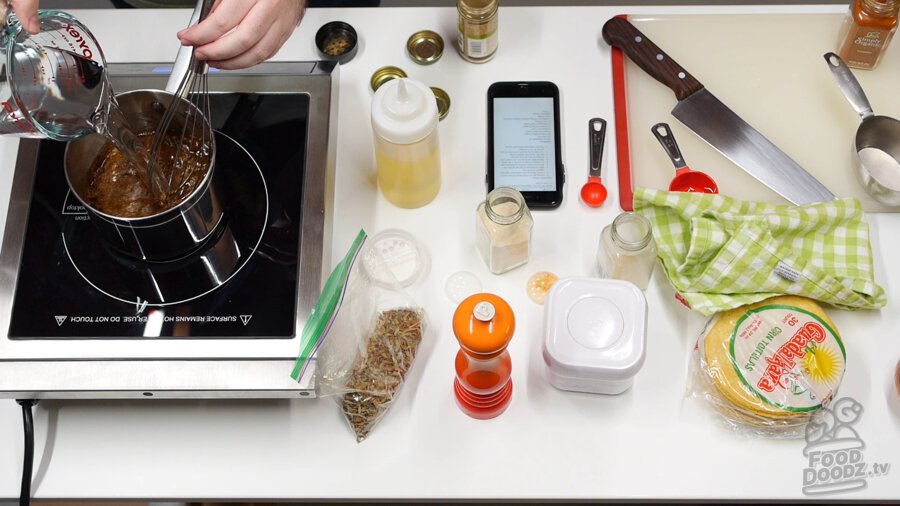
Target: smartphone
[524,150]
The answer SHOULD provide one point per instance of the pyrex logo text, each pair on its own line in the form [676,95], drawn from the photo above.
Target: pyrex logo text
[85,50]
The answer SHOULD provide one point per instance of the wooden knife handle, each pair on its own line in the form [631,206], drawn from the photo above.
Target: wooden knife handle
[619,32]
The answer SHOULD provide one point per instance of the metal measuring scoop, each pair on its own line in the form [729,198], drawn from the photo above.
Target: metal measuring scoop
[877,143]
[593,193]
[686,179]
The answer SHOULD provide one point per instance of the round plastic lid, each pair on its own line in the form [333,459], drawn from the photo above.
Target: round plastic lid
[460,285]
[337,41]
[539,284]
[595,322]
[394,256]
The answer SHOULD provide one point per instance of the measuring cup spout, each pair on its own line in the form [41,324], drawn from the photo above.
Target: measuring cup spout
[849,85]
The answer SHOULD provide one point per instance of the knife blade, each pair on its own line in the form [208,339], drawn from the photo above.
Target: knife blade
[716,123]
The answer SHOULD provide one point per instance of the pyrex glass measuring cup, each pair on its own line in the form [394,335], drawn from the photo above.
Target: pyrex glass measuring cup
[51,84]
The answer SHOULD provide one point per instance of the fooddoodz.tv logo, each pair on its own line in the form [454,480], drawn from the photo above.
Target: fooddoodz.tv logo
[835,452]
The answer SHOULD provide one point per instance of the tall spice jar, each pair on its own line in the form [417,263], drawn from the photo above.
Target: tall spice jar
[627,251]
[478,37]
[503,230]
[867,31]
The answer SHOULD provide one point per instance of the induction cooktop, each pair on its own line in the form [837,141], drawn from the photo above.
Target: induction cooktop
[82,320]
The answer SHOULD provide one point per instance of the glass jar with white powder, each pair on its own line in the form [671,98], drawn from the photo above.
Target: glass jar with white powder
[627,250]
[503,230]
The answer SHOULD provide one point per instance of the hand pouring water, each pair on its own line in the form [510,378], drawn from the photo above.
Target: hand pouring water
[52,84]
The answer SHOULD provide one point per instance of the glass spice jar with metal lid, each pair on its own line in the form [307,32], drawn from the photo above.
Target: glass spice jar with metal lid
[627,250]
[503,230]
[478,36]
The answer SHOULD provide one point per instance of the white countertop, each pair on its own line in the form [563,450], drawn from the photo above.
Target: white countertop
[651,442]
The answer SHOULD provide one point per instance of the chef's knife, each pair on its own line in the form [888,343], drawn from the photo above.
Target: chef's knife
[714,122]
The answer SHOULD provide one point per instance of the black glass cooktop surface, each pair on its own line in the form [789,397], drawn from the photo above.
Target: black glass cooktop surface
[242,283]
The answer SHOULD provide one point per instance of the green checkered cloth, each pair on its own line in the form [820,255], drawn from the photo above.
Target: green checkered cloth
[720,253]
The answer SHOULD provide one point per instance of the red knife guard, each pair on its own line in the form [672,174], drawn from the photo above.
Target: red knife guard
[623,148]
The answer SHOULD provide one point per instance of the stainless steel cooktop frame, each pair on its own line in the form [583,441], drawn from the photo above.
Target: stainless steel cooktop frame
[233,368]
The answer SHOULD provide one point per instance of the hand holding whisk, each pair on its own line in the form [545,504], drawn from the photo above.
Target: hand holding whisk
[182,144]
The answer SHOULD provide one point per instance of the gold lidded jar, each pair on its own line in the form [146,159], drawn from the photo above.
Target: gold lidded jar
[478,36]
[503,230]
[627,250]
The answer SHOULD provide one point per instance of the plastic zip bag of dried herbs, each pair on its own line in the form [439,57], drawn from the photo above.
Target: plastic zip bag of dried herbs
[364,337]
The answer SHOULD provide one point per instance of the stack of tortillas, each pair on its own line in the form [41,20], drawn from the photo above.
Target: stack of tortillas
[772,364]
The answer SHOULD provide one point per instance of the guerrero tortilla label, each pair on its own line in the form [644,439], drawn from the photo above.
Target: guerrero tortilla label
[789,357]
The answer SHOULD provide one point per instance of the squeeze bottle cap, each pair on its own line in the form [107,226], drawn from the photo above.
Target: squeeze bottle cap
[404,111]
[483,324]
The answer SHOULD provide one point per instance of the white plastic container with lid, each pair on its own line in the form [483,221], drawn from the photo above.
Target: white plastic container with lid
[594,334]
[407,151]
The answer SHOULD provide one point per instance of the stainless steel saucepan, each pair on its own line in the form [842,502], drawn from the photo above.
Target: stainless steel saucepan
[877,143]
[168,235]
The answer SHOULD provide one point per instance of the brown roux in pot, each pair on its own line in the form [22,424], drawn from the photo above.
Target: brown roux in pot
[118,188]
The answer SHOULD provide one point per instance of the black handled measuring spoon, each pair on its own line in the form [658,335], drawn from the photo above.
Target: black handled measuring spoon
[593,193]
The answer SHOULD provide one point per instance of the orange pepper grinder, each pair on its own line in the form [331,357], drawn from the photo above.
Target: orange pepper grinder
[483,324]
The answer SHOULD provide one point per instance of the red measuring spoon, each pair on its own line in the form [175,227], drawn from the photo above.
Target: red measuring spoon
[686,179]
[593,193]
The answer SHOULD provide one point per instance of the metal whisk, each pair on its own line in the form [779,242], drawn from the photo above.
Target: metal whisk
[185,122]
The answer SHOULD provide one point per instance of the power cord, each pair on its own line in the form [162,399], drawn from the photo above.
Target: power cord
[28,464]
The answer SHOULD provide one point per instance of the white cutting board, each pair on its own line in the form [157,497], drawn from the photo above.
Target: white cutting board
[770,70]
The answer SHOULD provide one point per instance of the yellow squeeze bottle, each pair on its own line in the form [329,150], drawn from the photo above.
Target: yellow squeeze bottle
[407,152]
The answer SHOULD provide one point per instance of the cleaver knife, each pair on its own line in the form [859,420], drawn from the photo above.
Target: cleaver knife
[714,122]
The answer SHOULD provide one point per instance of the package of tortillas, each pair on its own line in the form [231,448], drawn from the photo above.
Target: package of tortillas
[767,367]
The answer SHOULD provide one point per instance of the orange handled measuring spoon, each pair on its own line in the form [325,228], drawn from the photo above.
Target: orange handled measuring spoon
[593,193]
[686,179]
